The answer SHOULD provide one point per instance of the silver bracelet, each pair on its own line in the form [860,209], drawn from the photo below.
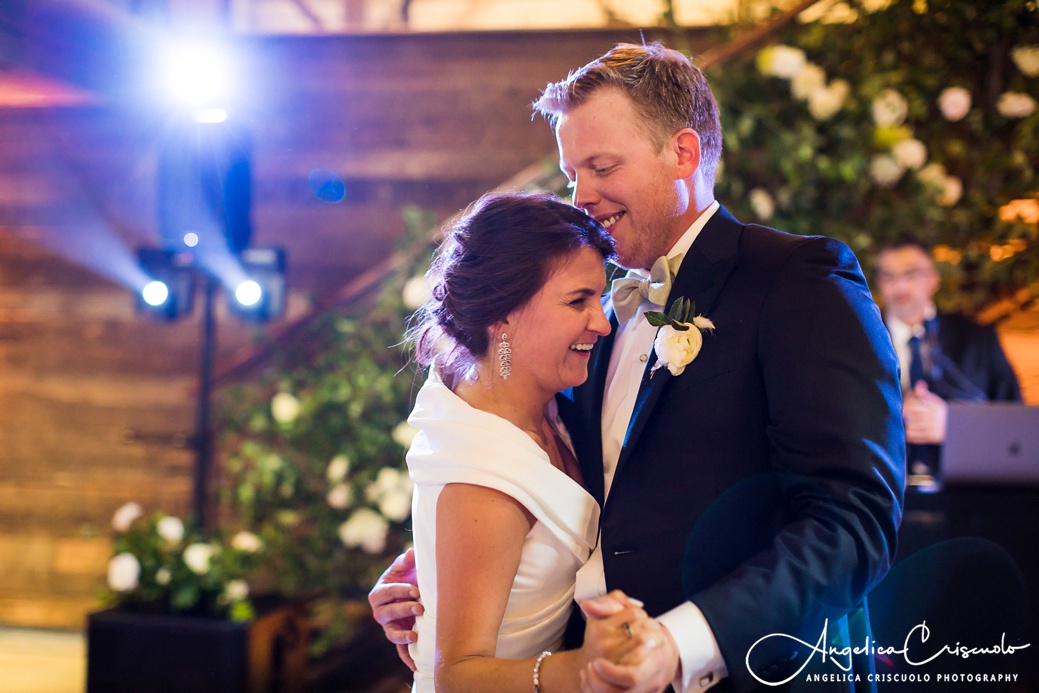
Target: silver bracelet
[537,669]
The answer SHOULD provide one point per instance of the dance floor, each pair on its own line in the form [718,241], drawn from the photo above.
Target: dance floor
[42,661]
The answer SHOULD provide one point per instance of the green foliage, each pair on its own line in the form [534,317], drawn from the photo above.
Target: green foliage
[314,447]
[817,171]
[679,317]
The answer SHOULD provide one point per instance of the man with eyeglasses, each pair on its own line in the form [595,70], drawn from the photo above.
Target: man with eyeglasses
[944,357]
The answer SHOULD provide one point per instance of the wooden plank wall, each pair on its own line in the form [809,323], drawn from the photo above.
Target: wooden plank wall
[430,120]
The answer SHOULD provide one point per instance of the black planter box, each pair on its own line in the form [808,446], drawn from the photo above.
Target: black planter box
[130,652]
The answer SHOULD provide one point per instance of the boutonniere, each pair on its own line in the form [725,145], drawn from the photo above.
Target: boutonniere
[680,336]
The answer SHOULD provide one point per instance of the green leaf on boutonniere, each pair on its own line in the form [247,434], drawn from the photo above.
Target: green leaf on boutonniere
[658,319]
[681,311]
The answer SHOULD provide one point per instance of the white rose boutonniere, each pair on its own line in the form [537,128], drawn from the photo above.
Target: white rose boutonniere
[680,336]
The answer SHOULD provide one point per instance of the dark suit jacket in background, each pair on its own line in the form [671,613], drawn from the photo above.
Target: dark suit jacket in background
[765,483]
[977,354]
[970,366]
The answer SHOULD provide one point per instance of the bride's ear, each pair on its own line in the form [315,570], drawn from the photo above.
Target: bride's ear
[498,328]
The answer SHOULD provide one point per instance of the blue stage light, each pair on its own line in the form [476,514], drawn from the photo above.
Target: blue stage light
[248,293]
[155,293]
[171,293]
[198,74]
[262,296]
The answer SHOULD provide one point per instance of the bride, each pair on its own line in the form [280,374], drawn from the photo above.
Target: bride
[502,521]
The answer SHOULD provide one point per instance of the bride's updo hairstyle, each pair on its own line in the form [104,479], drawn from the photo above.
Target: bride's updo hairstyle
[492,261]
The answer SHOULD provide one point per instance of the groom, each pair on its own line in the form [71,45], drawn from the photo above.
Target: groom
[751,494]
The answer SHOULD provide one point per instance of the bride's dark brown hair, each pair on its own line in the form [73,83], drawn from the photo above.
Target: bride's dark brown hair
[493,260]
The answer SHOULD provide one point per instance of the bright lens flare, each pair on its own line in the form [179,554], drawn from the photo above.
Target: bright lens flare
[248,293]
[155,293]
[197,74]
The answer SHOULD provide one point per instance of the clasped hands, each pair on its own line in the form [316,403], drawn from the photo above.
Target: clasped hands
[925,415]
[625,649]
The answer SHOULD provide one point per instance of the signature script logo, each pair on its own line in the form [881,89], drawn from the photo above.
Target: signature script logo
[841,656]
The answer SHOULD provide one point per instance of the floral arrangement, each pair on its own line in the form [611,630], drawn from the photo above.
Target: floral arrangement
[878,119]
[313,448]
[159,565]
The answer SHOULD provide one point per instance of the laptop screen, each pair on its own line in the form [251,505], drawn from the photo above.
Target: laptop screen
[993,443]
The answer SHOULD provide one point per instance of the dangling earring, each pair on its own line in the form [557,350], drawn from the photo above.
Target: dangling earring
[505,357]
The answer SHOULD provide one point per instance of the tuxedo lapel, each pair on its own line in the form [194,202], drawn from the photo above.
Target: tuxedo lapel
[703,273]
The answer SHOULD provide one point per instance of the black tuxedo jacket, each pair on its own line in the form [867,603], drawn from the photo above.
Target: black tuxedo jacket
[765,483]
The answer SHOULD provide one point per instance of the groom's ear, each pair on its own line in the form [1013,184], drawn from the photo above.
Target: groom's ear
[686,146]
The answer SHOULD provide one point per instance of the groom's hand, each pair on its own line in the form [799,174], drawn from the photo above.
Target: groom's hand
[394,601]
[647,667]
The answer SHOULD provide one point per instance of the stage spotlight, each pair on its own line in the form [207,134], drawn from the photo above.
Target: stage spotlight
[155,293]
[262,295]
[205,185]
[198,74]
[171,293]
[248,293]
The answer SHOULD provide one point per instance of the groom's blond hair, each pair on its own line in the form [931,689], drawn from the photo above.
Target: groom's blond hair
[666,89]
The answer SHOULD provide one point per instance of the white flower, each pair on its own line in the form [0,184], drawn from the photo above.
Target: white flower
[823,104]
[1027,60]
[391,492]
[885,170]
[762,203]
[954,103]
[337,469]
[197,557]
[676,349]
[951,191]
[911,153]
[125,515]
[1014,104]
[171,529]
[889,108]
[284,408]
[810,78]
[340,496]
[396,505]
[932,174]
[947,189]
[403,434]
[236,590]
[247,542]
[781,61]
[162,576]
[416,293]
[365,529]
[124,570]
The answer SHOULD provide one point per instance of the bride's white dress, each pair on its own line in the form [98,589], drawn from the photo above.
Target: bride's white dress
[459,444]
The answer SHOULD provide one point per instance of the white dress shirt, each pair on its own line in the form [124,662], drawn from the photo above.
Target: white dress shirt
[702,663]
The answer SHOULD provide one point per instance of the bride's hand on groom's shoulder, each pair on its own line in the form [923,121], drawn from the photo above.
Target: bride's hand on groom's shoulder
[394,602]
[625,649]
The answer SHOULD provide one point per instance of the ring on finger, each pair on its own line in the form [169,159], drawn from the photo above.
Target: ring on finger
[626,627]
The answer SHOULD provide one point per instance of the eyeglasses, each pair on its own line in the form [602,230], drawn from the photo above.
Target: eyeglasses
[910,275]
